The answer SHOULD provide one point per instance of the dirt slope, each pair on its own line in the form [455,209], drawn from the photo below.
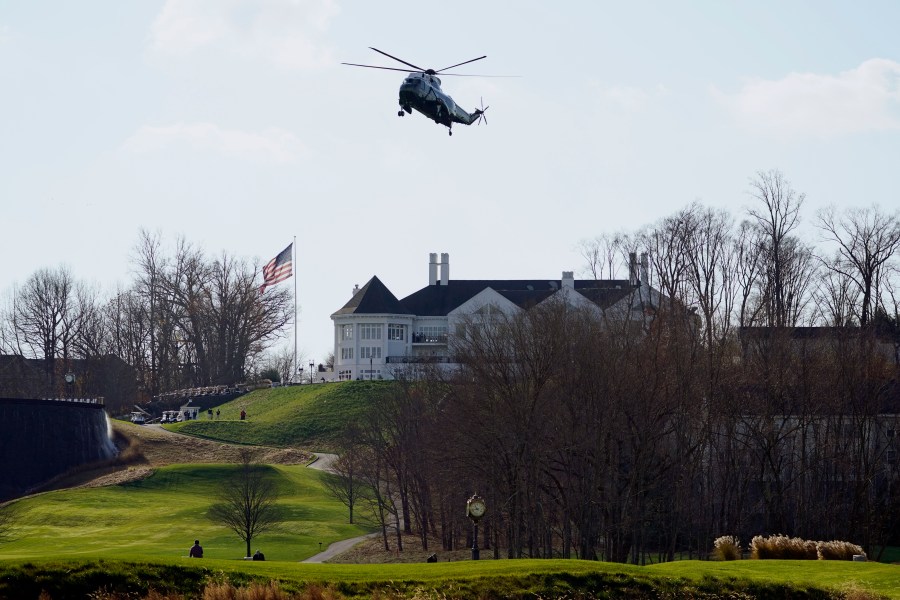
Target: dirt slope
[143,448]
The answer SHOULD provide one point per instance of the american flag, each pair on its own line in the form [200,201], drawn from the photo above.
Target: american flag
[279,268]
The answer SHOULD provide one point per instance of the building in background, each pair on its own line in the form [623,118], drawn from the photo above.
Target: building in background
[376,334]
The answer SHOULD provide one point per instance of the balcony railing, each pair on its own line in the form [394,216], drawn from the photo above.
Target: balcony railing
[418,360]
[429,338]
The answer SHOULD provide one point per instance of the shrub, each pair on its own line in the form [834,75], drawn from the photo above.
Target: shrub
[727,547]
[837,550]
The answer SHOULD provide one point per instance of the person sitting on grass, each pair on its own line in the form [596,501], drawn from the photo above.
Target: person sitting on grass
[259,556]
[196,550]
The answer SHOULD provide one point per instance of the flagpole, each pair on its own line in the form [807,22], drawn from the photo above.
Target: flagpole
[296,273]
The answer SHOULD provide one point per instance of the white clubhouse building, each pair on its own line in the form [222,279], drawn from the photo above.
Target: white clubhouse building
[375,333]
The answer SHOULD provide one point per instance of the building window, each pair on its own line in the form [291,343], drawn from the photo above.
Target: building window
[397,332]
[370,373]
[369,352]
[345,375]
[347,332]
[346,353]
[370,331]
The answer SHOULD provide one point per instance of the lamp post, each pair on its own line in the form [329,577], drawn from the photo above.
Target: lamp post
[475,509]
[371,372]
[312,365]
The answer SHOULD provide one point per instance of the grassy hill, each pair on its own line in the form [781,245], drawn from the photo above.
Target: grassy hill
[307,415]
[160,516]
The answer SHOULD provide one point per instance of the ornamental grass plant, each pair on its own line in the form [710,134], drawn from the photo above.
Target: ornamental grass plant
[838,550]
[782,547]
[727,547]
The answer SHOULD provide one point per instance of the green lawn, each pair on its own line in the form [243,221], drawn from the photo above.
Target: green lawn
[464,579]
[135,536]
[161,516]
[878,577]
[307,415]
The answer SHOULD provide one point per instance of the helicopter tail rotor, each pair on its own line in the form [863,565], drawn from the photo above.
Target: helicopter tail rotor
[479,112]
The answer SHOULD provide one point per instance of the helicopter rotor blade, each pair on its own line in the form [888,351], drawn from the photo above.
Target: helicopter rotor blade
[475,75]
[376,67]
[460,64]
[398,59]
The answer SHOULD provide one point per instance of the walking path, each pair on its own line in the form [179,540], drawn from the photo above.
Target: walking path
[324,462]
[337,548]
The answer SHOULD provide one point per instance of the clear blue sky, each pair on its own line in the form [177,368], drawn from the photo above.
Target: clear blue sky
[232,123]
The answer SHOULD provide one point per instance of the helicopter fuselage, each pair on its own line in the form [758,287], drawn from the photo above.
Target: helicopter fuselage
[422,92]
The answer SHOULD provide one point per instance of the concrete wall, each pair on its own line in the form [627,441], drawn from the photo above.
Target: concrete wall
[40,439]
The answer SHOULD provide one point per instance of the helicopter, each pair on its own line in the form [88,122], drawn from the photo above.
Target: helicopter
[421,90]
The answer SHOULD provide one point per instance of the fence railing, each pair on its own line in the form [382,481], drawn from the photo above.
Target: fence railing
[98,401]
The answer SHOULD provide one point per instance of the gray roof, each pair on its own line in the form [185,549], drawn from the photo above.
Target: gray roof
[440,300]
[373,298]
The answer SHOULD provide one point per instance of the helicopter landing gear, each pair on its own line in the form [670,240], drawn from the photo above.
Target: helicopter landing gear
[449,132]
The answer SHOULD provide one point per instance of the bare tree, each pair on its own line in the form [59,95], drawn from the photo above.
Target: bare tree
[346,484]
[196,321]
[775,220]
[710,270]
[282,361]
[746,272]
[247,501]
[9,333]
[240,321]
[866,240]
[48,315]
[150,338]
[668,246]
[602,255]
[836,299]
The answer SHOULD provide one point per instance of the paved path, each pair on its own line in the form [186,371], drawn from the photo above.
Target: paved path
[324,462]
[338,547]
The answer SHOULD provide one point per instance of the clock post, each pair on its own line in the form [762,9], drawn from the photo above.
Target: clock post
[475,509]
